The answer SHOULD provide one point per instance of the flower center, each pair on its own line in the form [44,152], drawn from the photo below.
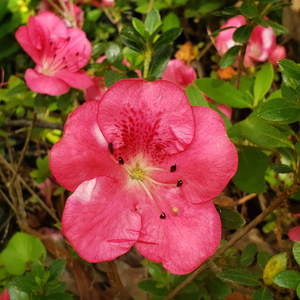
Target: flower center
[137,173]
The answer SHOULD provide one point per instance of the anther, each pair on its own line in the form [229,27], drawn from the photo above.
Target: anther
[173,168]
[77,53]
[54,55]
[179,183]
[51,43]
[111,148]
[162,215]
[68,38]
[121,161]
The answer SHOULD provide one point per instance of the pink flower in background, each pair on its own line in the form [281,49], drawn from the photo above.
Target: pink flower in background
[294,234]
[140,166]
[103,3]
[222,107]
[5,295]
[278,53]
[59,53]
[261,44]
[179,73]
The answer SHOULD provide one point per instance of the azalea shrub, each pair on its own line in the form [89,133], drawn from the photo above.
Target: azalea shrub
[149,149]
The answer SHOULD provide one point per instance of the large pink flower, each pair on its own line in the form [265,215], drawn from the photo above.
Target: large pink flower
[179,73]
[59,53]
[144,165]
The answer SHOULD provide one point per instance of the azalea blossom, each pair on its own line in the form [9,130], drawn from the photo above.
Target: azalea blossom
[5,295]
[277,54]
[261,45]
[59,52]
[179,73]
[143,166]
[294,234]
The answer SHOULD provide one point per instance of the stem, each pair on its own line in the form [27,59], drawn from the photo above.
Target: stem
[38,123]
[240,66]
[151,2]
[148,56]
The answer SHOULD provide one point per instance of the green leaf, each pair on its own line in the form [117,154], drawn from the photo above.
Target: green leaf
[55,287]
[15,294]
[275,265]
[248,255]
[17,90]
[171,20]
[229,57]
[167,37]
[262,258]
[262,294]
[278,29]
[64,101]
[139,26]
[249,9]
[298,291]
[24,283]
[152,21]
[195,96]
[112,77]
[156,272]
[259,20]
[222,92]
[56,268]
[38,269]
[288,93]
[159,61]
[263,82]
[242,34]
[260,132]
[43,171]
[287,279]
[250,175]
[218,288]
[113,53]
[3,8]
[290,68]
[280,168]
[150,287]
[230,219]
[40,103]
[296,252]
[21,249]
[239,276]
[228,11]
[131,39]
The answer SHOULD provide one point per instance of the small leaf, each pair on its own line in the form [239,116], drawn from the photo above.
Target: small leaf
[239,276]
[259,20]
[290,68]
[64,101]
[195,96]
[262,294]
[150,287]
[171,20]
[229,57]
[249,9]
[139,26]
[230,219]
[298,291]
[38,269]
[287,279]
[262,258]
[40,103]
[152,21]
[281,168]
[159,61]
[275,265]
[288,93]
[218,288]
[278,29]
[157,273]
[56,268]
[296,252]
[112,77]
[113,53]
[167,37]
[242,34]
[248,255]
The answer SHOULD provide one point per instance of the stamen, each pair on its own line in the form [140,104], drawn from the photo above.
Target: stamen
[111,148]
[179,183]
[162,215]
[173,168]
[121,161]
[175,210]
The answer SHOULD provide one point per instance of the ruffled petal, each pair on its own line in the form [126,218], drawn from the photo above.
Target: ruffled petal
[180,243]
[43,84]
[100,220]
[82,153]
[153,118]
[78,80]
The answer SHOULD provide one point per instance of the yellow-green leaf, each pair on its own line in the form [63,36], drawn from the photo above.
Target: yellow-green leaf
[276,264]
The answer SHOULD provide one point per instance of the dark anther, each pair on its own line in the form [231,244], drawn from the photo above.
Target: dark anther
[179,183]
[54,55]
[162,215]
[77,53]
[68,38]
[173,168]
[64,58]
[111,148]
[121,161]
[51,43]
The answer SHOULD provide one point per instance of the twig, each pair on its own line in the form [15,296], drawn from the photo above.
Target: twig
[237,236]
[38,123]
[240,66]
[246,198]
[151,2]
[23,150]
[7,201]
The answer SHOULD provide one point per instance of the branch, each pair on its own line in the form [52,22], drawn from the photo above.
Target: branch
[38,123]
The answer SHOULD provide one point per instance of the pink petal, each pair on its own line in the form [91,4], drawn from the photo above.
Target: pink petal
[100,220]
[43,84]
[180,243]
[82,153]
[278,53]
[153,118]
[225,110]
[294,234]
[108,3]
[78,80]
[5,295]
[96,91]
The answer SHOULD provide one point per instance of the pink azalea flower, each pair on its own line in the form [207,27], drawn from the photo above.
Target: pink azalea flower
[278,53]
[179,73]
[294,234]
[143,166]
[59,53]
[103,3]
[5,295]
[261,43]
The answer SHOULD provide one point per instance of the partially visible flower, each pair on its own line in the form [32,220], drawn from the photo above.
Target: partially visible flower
[226,110]
[101,3]
[294,234]
[59,52]
[143,166]
[278,53]
[47,188]
[55,235]
[5,295]
[179,73]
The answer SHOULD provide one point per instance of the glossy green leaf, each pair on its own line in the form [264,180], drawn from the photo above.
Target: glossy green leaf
[262,294]
[260,132]
[296,252]
[218,288]
[248,255]
[275,265]
[195,96]
[287,279]
[159,61]
[167,37]
[228,11]
[263,82]
[259,20]
[40,103]
[281,168]
[16,294]
[278,29]
[171,20]
[239,276]
[230,219]
[152,21]
[249,9]
[242,34]
[222,92]
[229,57]
[112,77]
[150,287]
[290,68]
[113,53]
[298,291]
[250,175]
[139,26]
[38,269]
[288,93]
[65,100]
[262,258]
[56,268]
